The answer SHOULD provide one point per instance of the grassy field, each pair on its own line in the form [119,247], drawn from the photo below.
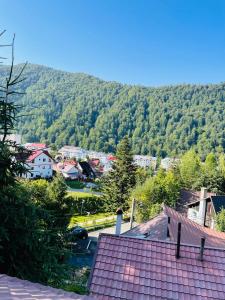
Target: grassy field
[82,195]
[92,220]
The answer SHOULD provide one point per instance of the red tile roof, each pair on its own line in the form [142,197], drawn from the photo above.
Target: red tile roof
[111,157]
[12,288]
[37,153]
[191,232]
[155,228]
[36,146]
[139,269]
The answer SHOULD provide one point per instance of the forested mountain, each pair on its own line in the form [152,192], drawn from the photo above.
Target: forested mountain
[77,109]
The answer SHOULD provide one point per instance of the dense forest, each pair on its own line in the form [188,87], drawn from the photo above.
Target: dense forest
[77,109]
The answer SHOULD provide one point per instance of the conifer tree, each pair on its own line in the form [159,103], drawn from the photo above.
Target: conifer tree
[118,183]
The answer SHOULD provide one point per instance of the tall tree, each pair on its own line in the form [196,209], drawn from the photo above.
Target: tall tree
[118,183]
[28,249]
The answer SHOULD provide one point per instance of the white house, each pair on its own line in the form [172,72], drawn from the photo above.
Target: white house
[68,170]
[73,152]
[145,161]
[39,165]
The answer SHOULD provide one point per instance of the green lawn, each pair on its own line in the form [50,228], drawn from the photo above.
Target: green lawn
[88,221]
[75,184]
[82,195]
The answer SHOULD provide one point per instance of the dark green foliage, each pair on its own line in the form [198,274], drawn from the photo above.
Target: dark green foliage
[77,109]
[92,205]
[53,198]
[29,248]
[118,183]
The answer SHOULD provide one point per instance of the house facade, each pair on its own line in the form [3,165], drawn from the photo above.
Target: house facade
[39,165]
[204,210]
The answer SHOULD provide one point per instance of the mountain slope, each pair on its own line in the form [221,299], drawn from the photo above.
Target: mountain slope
[78,109]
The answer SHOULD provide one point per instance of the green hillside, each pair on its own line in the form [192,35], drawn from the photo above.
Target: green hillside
[78,109]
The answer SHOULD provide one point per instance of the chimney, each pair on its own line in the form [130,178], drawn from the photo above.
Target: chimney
[168,231]
[202,206]
[202,248]
[119,219]
[178,240]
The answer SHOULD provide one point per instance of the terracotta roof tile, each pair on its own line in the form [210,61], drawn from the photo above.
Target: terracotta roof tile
[153,272]
[191,232]
[12,288]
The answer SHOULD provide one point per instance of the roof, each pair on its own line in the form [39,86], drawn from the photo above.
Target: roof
[35,145]
[37,153]
[86,168]
[191,232]
[218,203]
[12,288]
[156,228]
[138,269]
[187,197]
[111,157]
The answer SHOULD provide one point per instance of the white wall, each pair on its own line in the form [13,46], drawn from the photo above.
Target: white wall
[42,166]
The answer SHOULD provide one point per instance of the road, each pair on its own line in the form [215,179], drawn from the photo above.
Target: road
[125,227]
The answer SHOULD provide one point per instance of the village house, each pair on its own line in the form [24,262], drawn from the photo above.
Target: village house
[36,146]
[204,210]
[145,161]
[39,164]
[69,152]
[68,169]
[168,257]
[168,162]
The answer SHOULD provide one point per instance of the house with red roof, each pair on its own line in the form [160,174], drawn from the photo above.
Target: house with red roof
[168,257]
[35,146]
[39,164]
[68,169]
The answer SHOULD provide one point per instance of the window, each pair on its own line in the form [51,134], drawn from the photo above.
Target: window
[32,168]
[43,167]
[44,159]
[31,175]
[49,159]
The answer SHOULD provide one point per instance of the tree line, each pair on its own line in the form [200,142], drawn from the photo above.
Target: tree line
[77,109]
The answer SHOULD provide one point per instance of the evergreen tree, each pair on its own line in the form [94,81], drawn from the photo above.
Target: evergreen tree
[118,183]
[28,248]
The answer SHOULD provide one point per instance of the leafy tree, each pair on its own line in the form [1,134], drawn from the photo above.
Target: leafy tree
[118,183]
[162,188]
[220,220]
[190,169]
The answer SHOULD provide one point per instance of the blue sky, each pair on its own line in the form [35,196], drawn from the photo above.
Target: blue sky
[148,42]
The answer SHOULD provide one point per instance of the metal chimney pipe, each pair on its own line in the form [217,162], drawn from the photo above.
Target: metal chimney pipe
[178,240]
[168,232]
[119,219]
[202,248]
[132,213]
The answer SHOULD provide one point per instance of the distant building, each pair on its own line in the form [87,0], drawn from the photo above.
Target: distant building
[204,210]
[17,138]
[168,162]
[68,169]
[39,164]
[145,161]
[73,152]
[35,146]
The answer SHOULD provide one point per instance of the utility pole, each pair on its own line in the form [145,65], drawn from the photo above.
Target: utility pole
[132,213]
